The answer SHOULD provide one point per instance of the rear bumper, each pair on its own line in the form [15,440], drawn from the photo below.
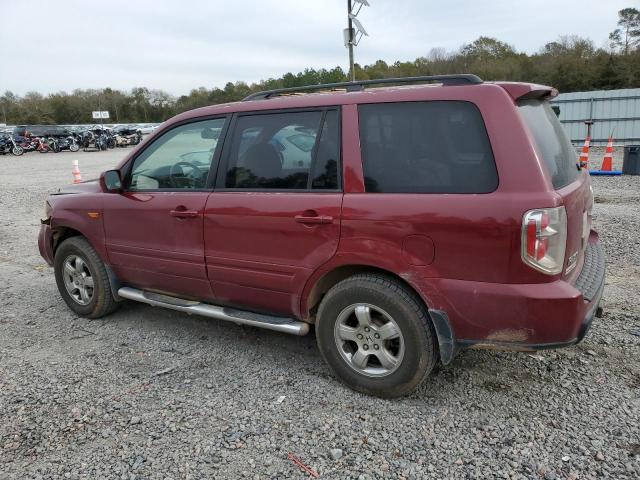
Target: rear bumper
[518,316]
[590,283]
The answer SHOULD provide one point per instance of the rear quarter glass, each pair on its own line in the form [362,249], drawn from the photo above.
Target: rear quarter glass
[426,147]
[551,141]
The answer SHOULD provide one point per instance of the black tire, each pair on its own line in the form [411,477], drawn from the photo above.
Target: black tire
[102,302]
[408,313]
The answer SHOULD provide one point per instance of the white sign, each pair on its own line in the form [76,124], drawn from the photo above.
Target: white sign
[100,114]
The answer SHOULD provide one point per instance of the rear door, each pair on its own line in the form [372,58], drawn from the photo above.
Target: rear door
[569,182]
[154,229]
[275,214]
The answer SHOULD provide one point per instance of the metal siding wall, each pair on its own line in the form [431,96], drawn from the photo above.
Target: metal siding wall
[607,104]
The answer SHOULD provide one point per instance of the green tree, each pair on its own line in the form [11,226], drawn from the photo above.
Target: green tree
[627,37]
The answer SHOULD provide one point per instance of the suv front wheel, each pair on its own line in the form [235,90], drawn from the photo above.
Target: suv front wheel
[82,279]
[376,335]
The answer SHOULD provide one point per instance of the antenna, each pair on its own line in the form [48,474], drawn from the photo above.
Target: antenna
[352,36]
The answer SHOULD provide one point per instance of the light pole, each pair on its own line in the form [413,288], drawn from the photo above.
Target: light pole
[351,37]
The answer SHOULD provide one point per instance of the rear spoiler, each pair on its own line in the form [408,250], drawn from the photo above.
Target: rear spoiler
[528,91]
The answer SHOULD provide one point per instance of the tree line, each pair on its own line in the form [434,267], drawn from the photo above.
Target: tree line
[571,63]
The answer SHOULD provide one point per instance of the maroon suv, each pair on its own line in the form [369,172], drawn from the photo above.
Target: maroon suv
[404,222]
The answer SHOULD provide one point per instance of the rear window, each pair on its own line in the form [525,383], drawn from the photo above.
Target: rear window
[426,147]
[551,141]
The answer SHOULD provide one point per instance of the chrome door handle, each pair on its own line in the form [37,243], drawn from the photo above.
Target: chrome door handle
[184,213]
[313,220]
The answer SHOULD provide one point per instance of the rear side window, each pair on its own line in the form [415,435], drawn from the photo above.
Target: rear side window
[426,147]
[284,151]
[551,141]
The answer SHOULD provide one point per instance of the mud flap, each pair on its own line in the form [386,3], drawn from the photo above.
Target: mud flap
[114,283]
[446,339]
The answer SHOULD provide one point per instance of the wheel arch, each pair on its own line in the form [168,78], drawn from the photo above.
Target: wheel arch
[60,233]
[445,337]
[323,284]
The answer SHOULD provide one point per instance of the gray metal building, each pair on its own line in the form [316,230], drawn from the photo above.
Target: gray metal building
[613,112]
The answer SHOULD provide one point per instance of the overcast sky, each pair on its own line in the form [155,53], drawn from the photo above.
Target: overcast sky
[178,45]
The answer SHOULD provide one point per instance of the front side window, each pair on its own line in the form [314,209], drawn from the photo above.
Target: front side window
[284,151]
[179,159]
[426,147]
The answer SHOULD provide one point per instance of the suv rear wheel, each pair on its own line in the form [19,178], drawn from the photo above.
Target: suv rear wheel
[82,279]
[376,335]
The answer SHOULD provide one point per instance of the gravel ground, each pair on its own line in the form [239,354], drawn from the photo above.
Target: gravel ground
[150,393]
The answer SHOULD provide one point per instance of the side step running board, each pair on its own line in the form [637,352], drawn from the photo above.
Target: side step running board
[241,317]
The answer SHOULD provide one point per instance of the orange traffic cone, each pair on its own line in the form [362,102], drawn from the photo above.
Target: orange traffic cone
[75,171]
[608,157]
[584,154]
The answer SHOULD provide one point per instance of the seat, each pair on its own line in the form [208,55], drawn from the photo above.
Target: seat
[263,161]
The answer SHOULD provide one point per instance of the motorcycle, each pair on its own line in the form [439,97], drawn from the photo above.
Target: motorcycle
[28,144]
[102,141]
[68,143]
[42,146]
[73,145]
[53,144]
[96,138]
[127,136]
[9,145]
[110,138]
[87,138]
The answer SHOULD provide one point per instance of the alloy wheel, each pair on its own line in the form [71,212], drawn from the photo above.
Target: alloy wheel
[369,340]
[78,280]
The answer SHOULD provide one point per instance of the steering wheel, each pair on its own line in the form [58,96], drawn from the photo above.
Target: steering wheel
[174,176]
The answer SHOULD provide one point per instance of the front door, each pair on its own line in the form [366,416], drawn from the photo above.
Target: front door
[154,229]
[275,214]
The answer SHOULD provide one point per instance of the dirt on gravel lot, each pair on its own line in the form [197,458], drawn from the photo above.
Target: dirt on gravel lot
[148,393]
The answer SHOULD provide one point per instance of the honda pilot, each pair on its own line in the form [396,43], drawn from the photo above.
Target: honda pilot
[404,223]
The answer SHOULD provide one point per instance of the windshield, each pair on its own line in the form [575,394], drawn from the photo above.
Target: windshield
[551,141]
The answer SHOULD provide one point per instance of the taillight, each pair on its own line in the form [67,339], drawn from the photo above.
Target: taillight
[544,238]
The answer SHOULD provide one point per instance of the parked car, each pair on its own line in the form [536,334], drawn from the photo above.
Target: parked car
[405,223]
[146,128]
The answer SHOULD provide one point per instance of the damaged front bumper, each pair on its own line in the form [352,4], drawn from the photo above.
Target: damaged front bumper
[45,240]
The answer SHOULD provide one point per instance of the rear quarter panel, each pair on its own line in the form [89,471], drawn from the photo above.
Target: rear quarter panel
[475,236]
[470,239]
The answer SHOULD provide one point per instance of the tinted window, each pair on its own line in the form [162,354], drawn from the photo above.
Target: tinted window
[551,141]
[325,167]
[281,150]
[426,147]
[180,158]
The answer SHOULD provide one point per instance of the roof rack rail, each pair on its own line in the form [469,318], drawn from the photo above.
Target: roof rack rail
[463,79]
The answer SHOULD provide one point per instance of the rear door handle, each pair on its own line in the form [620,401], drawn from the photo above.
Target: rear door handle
[184,213]
[313,219]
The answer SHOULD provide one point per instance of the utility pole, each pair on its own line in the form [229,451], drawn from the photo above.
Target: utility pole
[351,37]
[352,70]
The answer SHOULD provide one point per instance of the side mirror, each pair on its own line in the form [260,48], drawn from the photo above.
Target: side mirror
[110,181]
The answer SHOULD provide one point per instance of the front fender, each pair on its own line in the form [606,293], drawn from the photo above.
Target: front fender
[82,213]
